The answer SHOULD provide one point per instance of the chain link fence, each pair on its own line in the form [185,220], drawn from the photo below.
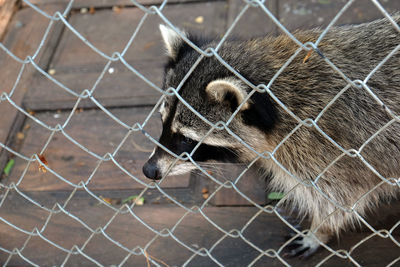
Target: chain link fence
[130,209]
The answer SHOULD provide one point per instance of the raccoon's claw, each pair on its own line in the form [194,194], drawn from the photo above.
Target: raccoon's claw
[302,247]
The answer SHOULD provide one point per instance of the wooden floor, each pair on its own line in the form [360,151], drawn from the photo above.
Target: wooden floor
[108,25]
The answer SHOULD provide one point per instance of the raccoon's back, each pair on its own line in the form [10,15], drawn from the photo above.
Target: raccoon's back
[349,53]
[358,118]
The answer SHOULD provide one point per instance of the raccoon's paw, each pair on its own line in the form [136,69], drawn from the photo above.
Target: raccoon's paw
[302,247]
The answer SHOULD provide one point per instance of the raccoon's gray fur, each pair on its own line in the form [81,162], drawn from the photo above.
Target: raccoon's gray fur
[305,87]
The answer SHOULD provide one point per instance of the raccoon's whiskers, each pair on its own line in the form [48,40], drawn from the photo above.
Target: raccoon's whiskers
[218,169]
[220,163]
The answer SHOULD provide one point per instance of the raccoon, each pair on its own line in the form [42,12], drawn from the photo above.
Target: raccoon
[331,145]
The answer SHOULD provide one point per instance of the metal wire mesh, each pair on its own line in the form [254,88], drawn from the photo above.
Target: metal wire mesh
[88,94]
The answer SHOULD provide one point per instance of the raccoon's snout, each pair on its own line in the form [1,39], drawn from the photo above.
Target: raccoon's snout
[151,170]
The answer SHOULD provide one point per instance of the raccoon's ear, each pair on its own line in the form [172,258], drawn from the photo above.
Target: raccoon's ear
[172,40]
[228,90]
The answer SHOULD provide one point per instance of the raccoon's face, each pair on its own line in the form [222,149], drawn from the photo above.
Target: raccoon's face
[213,92]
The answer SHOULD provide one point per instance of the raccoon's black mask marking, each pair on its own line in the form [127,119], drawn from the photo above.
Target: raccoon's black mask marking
[262,113]
[178,143]
[204,152]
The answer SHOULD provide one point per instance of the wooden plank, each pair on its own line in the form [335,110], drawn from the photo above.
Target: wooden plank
[22,39]
[254,22]
[121,88]
[99,134]
[265,231]
[7,9]
[305,14]
[78,67]
[110,31]
[193,230]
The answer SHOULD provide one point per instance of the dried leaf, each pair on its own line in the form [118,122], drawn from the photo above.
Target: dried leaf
[106,199]
[92,10]
[206,195]
[111,201]
[204,190]
[44,161]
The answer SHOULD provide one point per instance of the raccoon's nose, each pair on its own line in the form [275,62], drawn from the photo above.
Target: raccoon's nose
[151,171]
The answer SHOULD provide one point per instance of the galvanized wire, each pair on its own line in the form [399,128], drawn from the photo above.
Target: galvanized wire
[110,156]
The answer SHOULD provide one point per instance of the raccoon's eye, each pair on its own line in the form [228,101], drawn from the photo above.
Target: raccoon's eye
[187,140]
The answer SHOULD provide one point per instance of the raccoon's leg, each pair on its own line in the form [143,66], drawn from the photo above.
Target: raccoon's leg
[326,220]
[305,246]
